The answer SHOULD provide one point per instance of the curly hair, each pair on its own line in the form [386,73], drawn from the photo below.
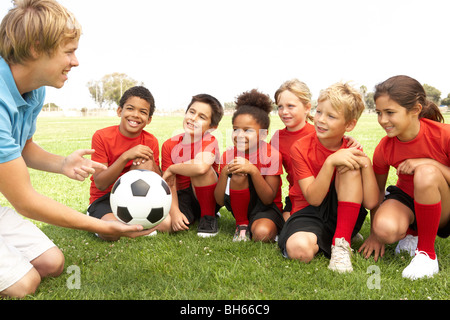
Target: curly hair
[140,92]
[256,104]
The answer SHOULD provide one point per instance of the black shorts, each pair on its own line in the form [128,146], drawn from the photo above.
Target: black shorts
[287,205]
[100,207]
[189,205]
[394,192]
[319,220]
[258,210]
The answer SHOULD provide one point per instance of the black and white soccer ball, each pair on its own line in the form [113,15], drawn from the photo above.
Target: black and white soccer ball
[141,197]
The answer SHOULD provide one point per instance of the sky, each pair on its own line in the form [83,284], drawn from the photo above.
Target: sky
[180,48]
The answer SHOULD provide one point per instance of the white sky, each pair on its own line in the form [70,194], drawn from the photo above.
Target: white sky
[180,48]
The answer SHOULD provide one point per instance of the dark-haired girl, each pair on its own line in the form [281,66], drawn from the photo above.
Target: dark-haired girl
[418,146]
[250,172]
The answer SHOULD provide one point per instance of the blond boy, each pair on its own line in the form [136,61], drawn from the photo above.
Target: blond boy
[334,181]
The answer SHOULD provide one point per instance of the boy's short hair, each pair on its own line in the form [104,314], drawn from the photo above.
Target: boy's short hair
[344,98]
[40,24]
[216,107]
[140,92]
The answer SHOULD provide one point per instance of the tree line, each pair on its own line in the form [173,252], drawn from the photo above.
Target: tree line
[109,89]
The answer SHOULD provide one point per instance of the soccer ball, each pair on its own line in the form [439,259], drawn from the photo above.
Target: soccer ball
[141,197]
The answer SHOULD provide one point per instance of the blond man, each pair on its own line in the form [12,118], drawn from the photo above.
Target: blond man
[38,40]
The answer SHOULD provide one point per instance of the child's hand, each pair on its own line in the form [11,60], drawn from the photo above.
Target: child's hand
[139,154]
[179,220]
[352,142]
[350,158]
[408,166]
[241,165]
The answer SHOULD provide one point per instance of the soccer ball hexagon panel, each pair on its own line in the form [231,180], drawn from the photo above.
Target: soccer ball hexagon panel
[141,197]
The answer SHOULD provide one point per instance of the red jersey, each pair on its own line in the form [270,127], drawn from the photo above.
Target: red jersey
[433,141]
[174,151]
[267,159]
[283,140]
[308,156]
[110,144]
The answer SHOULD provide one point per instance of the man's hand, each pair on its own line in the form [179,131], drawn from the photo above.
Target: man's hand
[76,167]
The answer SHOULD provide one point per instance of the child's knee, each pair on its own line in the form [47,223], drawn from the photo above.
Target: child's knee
[301,248]
[264,231]
[426,176]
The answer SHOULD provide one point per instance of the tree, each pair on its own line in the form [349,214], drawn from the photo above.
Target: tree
[446,101]
[432,93]
[110,88]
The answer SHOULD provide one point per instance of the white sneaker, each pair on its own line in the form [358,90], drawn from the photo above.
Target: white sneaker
[408,244]
[340,256]
[421,266]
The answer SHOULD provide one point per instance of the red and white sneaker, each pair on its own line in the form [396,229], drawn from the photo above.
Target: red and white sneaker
[421,266]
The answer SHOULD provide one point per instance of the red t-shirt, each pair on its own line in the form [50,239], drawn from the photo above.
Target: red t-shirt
[433,141]
[174,151]
[110,144]
[308,156]
[283,140]
[267,159]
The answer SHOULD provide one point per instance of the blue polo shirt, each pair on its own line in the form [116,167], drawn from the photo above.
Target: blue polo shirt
[18,114]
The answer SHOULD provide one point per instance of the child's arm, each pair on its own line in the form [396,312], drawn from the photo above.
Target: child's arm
[219,192]
[315,189]
[104,178]
[179,220]
[266,187]
[196,167]
[371,244]
[408,166]
[371,191]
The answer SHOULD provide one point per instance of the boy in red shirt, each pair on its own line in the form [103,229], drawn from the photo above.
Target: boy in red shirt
[190,164]
[122,148]
[334,181]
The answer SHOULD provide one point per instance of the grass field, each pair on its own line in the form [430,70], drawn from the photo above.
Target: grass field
[183,266]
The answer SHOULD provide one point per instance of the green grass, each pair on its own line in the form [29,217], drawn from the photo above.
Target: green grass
[183,266]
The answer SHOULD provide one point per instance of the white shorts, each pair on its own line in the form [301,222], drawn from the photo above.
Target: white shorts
[20,242]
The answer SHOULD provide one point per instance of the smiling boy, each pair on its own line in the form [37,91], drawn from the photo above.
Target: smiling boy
[334,181]
[190,164]
[122,148]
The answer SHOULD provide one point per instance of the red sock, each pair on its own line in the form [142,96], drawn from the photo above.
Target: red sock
[239,204]
[427,218]
[205,197]
[347,214]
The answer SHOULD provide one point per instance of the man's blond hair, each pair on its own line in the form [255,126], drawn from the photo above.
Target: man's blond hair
[43,25]
[345,99]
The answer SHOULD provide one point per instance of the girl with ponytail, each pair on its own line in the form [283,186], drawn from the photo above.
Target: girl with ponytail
[417,144]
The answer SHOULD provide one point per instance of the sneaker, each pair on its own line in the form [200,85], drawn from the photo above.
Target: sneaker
[241,234]
[207,227]
[358,238]
[408,244]
[340,256]
[421,266]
